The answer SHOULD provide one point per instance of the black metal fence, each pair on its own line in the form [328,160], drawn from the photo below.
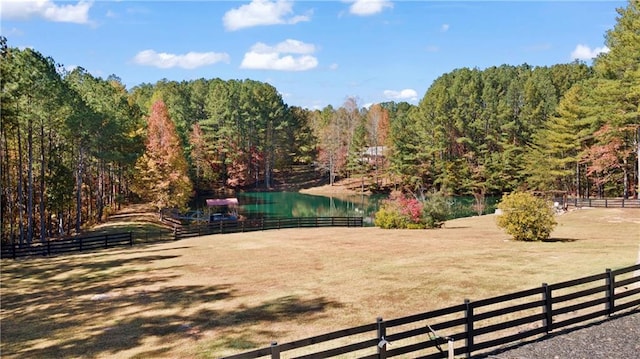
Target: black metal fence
[475,327]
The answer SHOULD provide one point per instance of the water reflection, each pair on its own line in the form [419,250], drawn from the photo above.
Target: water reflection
[294,204]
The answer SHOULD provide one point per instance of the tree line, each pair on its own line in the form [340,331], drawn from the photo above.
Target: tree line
[68,142]
[74,147]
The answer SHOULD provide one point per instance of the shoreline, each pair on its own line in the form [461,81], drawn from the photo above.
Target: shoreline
[343,187]
[329,190]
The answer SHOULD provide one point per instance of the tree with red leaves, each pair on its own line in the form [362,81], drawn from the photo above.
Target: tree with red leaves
[608,159]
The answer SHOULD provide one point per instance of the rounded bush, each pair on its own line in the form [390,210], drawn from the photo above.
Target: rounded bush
[526,217]
[390,218]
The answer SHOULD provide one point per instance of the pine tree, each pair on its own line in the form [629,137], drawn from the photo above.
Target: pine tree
[620,96]
[554,158]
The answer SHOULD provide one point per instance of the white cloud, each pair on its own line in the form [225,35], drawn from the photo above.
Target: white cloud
[444,27]
[369,7]
[333,66]
[265,57]
[190,60]
[287,46]
[584,52]
[46,9]
[262,12]
[406,94]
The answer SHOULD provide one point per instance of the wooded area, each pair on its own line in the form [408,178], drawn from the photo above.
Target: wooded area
[74,147]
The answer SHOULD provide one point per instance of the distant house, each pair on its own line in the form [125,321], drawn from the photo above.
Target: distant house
[374,154]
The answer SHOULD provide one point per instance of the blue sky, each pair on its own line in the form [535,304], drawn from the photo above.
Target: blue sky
[315,53]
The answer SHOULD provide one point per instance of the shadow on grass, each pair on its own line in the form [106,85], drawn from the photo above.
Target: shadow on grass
[131,331]
[560,240]
[47,268]
[98,307]
[141,232]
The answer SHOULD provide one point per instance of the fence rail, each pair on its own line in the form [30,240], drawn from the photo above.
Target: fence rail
[261,224]
[605,202]
[67,245]
[476,327]
[74,244]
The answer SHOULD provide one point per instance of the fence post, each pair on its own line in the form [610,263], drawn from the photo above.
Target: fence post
[275,350]
[611,288]
[468,314]
[80,244]
[48,246]
[106,241]
[130,239]
[548,313]
[382,344]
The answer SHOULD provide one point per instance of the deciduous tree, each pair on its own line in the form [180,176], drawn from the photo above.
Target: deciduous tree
[163,172]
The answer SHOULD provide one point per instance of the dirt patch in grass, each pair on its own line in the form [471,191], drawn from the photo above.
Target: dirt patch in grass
[212,296]
[141,220]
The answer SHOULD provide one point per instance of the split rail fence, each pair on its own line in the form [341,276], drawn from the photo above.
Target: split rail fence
[475,328]
[262,224]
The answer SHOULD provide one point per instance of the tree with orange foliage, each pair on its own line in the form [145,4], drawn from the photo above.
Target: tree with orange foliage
[608,159]
[163,171]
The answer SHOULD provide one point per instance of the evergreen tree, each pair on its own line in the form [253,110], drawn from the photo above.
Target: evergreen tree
[553,161]
[620,96]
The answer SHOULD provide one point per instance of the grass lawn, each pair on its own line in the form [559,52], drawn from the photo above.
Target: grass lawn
[212,296]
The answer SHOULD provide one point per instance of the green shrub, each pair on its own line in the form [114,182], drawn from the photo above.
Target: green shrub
[389,217]
[436,209]
[526,217]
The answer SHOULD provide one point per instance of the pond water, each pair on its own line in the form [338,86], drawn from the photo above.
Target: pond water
[294,204]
